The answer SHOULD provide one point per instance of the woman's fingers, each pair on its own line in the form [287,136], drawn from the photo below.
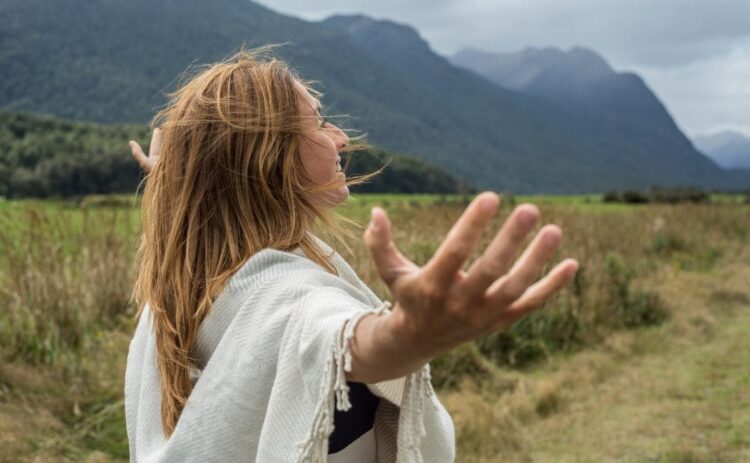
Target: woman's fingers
[538,293]
[461,240]
[139,155]
[527,269]
[499,255]
[389,262]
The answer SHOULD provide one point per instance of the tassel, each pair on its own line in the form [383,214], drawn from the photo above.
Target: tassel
[333,391]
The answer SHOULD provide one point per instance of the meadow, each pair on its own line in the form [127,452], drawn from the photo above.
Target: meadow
[641,359]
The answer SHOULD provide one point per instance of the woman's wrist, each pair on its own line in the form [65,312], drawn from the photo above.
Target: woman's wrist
[382,349]
[408,337]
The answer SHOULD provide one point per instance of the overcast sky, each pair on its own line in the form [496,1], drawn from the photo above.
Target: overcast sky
[694,54]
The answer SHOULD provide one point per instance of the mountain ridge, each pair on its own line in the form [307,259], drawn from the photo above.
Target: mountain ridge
[112,61]
[589,97]
[730,149]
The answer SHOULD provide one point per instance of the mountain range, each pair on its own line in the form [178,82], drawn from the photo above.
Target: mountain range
[730,149]
[567,124]
[604,108]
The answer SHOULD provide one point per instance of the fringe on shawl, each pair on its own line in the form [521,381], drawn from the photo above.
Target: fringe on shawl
[314,449]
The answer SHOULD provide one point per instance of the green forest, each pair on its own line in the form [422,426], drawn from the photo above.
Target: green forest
[42,156]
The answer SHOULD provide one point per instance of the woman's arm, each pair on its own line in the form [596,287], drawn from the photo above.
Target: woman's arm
[440,306]
[379,354]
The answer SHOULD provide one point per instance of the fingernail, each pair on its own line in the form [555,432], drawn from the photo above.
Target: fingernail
[528,217]
[551,239]
[488,204]
[373,222]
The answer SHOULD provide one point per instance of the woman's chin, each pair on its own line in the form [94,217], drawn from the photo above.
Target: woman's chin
[333,198]
[342,194]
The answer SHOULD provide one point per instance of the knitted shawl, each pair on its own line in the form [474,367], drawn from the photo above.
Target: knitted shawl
[271,362]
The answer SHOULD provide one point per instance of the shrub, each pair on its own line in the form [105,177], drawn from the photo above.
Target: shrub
[631,308]
[657,195]
[634,197]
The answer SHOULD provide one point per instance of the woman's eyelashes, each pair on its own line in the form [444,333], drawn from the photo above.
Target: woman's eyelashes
[323,121]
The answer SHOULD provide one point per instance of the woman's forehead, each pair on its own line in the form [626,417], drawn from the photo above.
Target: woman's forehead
[308,103]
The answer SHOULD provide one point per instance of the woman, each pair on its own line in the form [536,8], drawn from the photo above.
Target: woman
[256,341]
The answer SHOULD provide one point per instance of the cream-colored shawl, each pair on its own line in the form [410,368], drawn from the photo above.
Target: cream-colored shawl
[272,356]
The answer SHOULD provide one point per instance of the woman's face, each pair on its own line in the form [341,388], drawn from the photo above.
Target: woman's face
[319,149]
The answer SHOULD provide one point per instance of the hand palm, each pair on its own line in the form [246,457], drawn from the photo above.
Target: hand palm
[440,305]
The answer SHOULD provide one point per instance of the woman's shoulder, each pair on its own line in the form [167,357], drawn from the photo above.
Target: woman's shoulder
[272,265]
[294,273]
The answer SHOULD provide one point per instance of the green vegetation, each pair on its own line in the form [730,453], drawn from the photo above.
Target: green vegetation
[44,156]
[657,195]
[659,291]
[403,174]
[113,61]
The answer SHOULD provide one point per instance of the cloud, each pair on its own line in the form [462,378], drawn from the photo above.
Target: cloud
[641,32]
[707,96]
[693,53]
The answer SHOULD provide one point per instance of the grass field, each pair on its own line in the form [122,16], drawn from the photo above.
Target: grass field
[642,359]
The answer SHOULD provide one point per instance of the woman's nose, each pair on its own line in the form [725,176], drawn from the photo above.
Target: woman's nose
[340,137]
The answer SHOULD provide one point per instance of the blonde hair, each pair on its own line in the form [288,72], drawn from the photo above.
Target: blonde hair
[229,183]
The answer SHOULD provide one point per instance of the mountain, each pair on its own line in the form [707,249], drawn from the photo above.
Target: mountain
[614,114]
[731,150]
[112,61]
[535,70]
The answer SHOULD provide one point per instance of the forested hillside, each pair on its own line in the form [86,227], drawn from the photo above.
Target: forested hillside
[45,156]
[112,61]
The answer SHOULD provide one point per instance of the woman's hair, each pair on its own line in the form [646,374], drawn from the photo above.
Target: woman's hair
[228,184]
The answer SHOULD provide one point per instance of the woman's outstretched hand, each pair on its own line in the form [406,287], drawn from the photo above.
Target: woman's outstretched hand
[154,151]
[439,306]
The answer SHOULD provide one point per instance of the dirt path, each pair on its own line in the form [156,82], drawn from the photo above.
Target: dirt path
[688,403]
[676,393]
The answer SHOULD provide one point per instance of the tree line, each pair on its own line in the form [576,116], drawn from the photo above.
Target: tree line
[42,156]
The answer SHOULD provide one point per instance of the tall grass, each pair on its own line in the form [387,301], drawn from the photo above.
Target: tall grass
[66,273]
[620,251]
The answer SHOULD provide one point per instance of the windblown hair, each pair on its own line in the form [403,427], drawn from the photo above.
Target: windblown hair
[229,183]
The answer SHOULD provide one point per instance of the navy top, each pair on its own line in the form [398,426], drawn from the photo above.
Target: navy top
[351,424]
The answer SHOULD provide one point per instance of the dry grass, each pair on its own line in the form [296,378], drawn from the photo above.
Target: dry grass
[65,275]
[674,393]
[620,251]
[596,375]
[64,291]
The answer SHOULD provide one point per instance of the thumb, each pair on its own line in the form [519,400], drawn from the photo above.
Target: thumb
[138,154]
[137,151]
[382,249]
